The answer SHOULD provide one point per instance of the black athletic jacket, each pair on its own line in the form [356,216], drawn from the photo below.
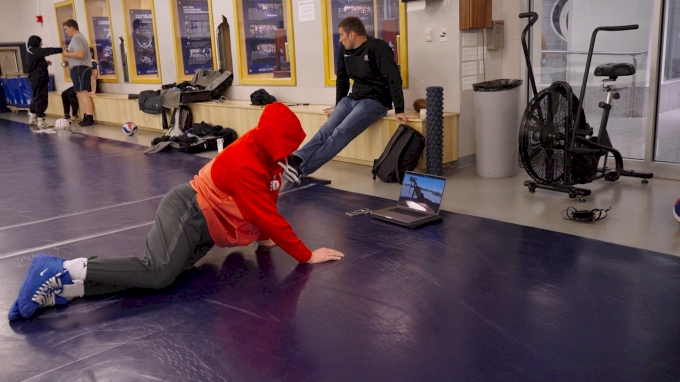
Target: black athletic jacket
[37,65]
[375,74]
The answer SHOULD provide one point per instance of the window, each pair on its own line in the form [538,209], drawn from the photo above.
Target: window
[667,132]
[64,11]
[564,33]
[101,38]
[142,49]
[384,19]
[265,42]
[672,42]
[192,34]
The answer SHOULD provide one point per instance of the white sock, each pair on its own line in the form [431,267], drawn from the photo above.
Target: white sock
[71,291]
[77,268]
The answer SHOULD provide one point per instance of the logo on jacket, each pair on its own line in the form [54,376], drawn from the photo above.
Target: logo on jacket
[366,57]
[274,185]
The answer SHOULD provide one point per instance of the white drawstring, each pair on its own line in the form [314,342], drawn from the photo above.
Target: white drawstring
[46,294]
[289,173]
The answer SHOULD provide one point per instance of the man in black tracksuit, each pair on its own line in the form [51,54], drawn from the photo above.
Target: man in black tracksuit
[39,78]
[370,63]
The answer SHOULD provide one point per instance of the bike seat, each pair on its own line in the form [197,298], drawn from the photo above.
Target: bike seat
[614,70]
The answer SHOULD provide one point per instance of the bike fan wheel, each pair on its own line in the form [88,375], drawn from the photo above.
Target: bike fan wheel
[544,134]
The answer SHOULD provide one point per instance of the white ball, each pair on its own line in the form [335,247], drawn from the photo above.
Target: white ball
[61,124]
[129,128]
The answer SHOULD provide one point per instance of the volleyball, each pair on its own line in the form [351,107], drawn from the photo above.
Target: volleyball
[129,128]
[61,124]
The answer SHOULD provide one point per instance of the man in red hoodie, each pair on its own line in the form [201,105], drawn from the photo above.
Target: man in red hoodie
[230,203]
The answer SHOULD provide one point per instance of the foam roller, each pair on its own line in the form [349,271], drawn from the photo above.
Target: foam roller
[434,137]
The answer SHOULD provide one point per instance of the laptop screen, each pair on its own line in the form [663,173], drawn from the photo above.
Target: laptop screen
[422,192]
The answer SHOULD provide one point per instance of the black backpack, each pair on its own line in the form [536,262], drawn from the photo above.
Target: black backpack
[150,101]
[401,154]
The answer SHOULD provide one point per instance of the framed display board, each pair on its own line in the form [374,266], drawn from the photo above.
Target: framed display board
[142,49]
[64,11]
[193,37]
[266,52]
[383,19]
[101,38]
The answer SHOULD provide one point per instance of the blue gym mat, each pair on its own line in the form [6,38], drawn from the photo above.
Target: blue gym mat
[466,299]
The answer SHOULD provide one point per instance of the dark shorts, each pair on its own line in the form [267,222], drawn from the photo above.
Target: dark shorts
[81,77]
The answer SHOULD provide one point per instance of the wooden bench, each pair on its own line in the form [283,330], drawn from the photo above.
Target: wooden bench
[111,109]
[116,109]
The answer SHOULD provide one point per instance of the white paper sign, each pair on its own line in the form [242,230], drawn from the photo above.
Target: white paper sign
[306,10]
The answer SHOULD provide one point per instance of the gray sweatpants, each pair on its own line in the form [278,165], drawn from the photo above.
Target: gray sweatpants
[177,240]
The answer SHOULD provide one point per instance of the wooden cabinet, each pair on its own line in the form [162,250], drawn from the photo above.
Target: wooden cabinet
[475,14]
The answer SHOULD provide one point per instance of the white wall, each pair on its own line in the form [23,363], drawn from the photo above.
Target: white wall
[17,20]
[430,64]
[502,63]
[308,45]
[433,63]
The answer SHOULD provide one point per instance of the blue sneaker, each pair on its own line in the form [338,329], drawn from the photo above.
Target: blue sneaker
[14,313]
[45,279]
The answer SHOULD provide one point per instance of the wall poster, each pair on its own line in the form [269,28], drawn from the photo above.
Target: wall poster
[143,41]
[195,35]
[103,46]
[266,42]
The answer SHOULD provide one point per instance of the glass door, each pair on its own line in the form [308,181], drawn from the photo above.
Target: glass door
[667,141]
[565,30]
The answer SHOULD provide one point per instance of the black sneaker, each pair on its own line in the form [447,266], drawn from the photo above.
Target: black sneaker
[88,120]
[294,160]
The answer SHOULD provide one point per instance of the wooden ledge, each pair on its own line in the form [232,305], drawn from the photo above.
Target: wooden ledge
[116,109]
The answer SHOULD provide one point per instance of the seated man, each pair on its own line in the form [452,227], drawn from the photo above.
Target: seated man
[230,203]
[69,100]
[377,85]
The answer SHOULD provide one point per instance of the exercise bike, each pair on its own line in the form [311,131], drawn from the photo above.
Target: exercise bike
[557,147]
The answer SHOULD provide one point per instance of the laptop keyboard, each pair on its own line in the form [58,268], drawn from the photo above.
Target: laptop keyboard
[409,212]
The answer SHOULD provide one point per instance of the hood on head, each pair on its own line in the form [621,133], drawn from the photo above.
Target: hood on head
[279,131]
[34,41]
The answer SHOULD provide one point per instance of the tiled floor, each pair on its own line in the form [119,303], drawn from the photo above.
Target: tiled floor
[641,215]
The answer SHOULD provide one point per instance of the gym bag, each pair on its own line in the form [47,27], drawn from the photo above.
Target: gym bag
[150,101]
[401,154]
[183,114]
[261,97]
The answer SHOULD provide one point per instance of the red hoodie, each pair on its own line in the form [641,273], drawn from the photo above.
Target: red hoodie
[237,191]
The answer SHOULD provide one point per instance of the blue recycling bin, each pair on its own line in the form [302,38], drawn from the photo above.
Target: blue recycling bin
[11,91]
[3,100]
[18,92]
[25,92]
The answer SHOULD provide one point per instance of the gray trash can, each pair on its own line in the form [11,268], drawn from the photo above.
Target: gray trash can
[497,127]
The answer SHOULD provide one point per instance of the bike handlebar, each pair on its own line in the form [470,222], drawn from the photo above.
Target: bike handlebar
[533,16]
[619,28]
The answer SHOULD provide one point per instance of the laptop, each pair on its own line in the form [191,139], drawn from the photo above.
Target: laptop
[419,201]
